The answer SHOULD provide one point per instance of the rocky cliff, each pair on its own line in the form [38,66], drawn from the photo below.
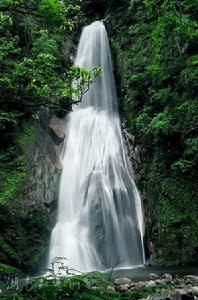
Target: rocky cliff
[28,213]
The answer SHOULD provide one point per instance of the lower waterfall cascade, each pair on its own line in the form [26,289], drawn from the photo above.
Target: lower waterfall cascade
[100,215]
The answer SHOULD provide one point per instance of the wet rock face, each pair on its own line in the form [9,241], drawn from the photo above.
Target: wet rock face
[133,152]
[56,131]
[29,216]
[40,193]
[44,165]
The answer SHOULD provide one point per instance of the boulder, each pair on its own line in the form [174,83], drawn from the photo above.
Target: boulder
[180,291]
[150,283]
[191,278]
[160,281]
[122,281]
[165,296]
[123,287]
[167,278]
[153,276]
[194,290]
[137,284]
[58,128]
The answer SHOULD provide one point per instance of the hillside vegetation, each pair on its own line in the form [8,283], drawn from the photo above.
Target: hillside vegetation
[154,46]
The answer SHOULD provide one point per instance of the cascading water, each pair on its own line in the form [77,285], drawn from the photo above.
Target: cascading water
[99,214]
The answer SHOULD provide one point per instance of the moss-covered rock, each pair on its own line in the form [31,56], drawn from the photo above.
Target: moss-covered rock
[30,170]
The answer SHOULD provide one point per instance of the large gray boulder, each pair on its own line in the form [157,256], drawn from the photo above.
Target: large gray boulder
[167,278]
[153,276]
[194,290]
[150,283]
[123,287]
[121,281]
[191,278]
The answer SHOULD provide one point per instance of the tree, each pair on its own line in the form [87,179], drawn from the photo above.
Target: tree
[112,263]
[34,69]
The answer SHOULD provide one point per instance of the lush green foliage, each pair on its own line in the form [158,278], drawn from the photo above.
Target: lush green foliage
[155,48]
[11,178]
[6,269]
[90,286]
[13,165]
[35,66]
[23,237]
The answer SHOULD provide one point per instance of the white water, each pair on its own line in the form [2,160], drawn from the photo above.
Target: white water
[100,213]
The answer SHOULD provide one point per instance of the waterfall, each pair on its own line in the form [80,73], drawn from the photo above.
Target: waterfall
[99,214]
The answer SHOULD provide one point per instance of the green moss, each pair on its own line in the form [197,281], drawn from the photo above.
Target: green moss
[6,269]
[13,164]
[8,249]
[24,239]
[13,174]
[26,134]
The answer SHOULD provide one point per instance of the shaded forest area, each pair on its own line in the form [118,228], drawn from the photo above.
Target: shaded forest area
[155,50]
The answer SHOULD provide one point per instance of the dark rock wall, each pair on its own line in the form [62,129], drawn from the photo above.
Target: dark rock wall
[28,215]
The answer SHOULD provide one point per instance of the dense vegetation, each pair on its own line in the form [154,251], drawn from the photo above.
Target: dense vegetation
[154,45]
[154,52]
[36,71]
[90,286]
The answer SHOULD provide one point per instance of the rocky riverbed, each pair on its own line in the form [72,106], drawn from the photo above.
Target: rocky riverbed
[160,287]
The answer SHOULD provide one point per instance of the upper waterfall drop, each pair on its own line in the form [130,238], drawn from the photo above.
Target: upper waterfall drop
[100,213]
[93,50]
